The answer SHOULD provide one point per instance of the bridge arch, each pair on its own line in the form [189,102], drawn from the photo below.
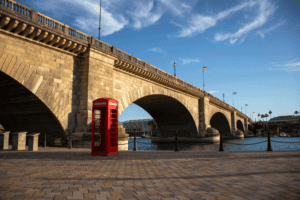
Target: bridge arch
[220,122]
[170,110]
[240,126]
[35,96]
[22,110]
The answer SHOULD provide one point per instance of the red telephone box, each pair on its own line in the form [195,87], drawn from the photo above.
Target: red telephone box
[105,127]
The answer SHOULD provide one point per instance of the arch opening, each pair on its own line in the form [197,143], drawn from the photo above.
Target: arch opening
[137,121]
[239,125]
[170,116]
[220,122]
[21,110]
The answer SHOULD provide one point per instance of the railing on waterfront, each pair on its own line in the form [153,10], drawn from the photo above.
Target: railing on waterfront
[78,143]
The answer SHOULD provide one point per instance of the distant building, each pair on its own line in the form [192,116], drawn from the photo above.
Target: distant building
[288,123]
[290,119]
[140,127]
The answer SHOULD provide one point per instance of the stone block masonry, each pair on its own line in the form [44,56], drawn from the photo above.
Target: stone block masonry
[4,139]
[19,141]
[33,142]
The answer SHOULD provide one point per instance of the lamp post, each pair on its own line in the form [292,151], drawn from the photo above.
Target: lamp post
[223,97]
[100,19]
[204,68]
[174,69]
[233,98]
[245,108]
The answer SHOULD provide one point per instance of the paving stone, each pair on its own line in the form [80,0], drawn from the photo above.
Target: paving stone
[234,176]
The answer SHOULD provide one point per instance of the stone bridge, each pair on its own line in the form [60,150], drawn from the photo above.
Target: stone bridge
[50,73]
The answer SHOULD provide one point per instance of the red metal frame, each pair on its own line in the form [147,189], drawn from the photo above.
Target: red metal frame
[105,127]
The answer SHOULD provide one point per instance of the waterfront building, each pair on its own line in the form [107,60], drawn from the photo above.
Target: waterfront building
[288,123]
[140,127]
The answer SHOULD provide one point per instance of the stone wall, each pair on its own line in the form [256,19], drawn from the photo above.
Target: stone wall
[47,73]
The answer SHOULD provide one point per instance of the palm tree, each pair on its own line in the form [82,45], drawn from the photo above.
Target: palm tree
[266,115]
[258,116]
[270,112]
[296,112]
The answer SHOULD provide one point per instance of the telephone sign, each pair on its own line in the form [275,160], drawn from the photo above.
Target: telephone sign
[101,103]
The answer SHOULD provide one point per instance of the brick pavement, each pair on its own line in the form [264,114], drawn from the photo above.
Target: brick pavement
[60,173]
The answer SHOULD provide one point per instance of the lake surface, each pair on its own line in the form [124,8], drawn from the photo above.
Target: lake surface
[277,144]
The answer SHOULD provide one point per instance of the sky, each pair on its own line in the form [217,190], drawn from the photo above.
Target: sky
[251,47]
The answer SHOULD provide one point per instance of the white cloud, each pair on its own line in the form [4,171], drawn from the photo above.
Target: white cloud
[263,32]
[159,50]
[200,23]
[143,15]
[187,61]
[176,7]
[239,7]
[292,66]
[265,10]
[111,23]
[211,92]
[295,66]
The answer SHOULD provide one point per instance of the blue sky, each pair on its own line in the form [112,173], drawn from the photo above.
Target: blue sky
[250,47]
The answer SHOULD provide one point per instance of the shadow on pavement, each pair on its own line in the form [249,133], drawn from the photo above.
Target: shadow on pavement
[84,154]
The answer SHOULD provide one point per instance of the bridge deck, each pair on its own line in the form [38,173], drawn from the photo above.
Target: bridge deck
[60,173]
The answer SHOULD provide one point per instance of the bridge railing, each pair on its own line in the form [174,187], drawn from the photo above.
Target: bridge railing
[79,35]
[50,23]
[18,8]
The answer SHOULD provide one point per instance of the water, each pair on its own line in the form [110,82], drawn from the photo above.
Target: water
[145,144]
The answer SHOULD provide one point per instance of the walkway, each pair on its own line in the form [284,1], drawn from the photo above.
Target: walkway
[60,173]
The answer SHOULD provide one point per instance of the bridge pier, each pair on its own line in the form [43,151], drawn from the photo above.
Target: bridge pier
[204,120]
[233,123]
[246,126]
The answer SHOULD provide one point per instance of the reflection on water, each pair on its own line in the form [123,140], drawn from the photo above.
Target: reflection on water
[241,145]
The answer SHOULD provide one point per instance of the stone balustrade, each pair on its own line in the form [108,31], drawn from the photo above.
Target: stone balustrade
[51,23]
